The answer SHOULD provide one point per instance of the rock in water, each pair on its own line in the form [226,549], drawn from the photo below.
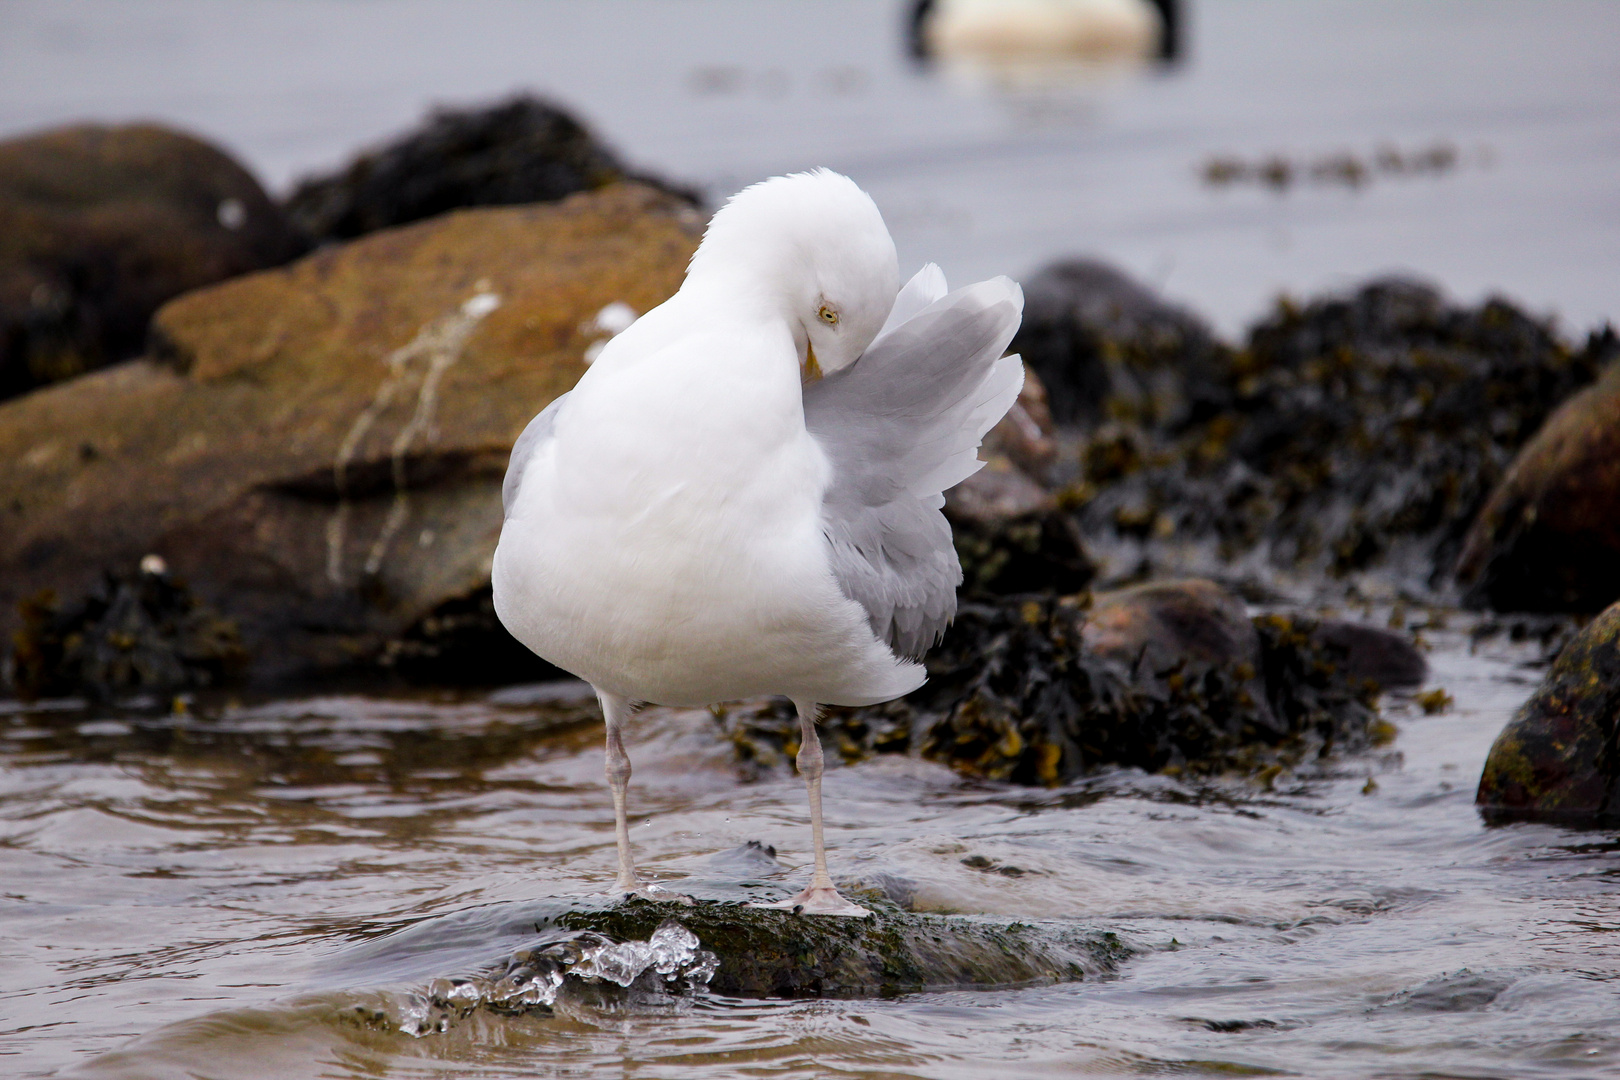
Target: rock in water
[134,632]
[101,225]
[1106,347]
[318,450]
[519,151]
[1556,760]
[765,953]
[1549,537]
[1016,693]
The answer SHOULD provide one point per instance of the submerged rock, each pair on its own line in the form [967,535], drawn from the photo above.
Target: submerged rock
[1016,693]
[518,151]
[1549,538]
[1557,759]
[318,450]
[101,225]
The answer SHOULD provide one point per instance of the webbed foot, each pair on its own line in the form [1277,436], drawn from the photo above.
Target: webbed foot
[818,900]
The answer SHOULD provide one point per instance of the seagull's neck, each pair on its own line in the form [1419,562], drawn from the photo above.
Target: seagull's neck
[741,297]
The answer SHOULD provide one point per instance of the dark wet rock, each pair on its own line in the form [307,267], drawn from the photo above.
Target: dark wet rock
[1549,537]
[763,953]
[518,151]
[1016,694]
[100,225]
[1356,433]
[463,643]
[1366,653]
[1558,759]
[1012,537]
[318,450]
[138,631]
[1107,348]
[1162,624]
[1164,621]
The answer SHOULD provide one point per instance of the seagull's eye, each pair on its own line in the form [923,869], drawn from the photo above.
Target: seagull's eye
[828,315]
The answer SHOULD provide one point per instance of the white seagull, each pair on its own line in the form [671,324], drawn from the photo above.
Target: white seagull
[741,497]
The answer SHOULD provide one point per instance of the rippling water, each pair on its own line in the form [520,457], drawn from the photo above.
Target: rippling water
[204,895]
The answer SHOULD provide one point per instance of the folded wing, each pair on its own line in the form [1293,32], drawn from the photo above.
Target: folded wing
[538,432]
[900,426]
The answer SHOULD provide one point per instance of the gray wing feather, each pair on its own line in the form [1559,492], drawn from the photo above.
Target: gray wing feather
[899,426]
[539,431]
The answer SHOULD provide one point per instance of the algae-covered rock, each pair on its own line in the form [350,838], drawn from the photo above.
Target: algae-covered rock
[1015,693]
[101,225]
[1549,538]
[517,151]
[766,953]
[318,450]
[1352,434]
[135,631]
[1106,347]
[1558,759]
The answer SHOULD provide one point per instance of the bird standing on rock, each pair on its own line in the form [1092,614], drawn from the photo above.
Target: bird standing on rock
[742,495]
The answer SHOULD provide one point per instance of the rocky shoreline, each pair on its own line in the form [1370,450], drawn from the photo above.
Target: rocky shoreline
[298,475]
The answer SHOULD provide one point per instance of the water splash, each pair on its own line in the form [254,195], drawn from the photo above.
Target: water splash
[533,978]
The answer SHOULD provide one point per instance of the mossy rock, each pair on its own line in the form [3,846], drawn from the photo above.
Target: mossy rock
[768,953]
[1356,434]
[1558,760]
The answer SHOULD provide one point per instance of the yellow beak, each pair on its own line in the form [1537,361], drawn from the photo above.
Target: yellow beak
[809,371]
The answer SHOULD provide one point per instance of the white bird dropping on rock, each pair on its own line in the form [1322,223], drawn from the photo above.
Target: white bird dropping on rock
[742,495]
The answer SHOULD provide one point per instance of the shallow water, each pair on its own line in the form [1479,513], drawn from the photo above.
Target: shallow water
[214,894]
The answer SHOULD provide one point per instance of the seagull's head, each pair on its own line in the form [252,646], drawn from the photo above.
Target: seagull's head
[812,248]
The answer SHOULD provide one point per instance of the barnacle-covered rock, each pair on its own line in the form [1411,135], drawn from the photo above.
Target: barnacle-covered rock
[1558,760]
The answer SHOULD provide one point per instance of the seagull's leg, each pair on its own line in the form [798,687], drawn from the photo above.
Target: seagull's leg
[615,710]
[820,897]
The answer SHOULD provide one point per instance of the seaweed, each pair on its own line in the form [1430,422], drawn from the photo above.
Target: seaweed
[1015,695]
[136,631]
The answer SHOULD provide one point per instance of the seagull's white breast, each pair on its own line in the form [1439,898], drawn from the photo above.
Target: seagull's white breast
[667,543]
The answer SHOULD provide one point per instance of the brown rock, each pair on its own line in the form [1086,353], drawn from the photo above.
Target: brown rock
[1556,759]
[1024,435]
[1160,625]
[1548,539]
[1364,652]
[318,450]
[1167,620]
[101,225]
